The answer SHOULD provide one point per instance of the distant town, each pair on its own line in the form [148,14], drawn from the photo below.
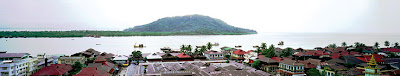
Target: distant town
[342,59]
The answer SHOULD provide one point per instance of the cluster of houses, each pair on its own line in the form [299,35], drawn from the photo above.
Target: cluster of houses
[340,61]
[94,63]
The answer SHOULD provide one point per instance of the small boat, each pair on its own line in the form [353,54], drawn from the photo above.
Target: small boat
[165,48]
[140,46]
[72,39]
[215,44]
[281,43]
[255,46]
[238,46]
[98,44]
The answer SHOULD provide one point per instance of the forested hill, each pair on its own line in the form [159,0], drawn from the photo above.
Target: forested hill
[191,24]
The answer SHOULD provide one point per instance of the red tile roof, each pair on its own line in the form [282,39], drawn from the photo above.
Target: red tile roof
[335,56]
[53,69]
[299,54]
[391,49]
[100,59]
[239,52]
[91,71]
[183,55]
[344,53]
[277,59]
[366,58]
[353,53]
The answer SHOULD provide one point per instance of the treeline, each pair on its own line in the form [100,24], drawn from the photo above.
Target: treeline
[12,34]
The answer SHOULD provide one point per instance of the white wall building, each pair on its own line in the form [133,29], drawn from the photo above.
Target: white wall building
[17,64]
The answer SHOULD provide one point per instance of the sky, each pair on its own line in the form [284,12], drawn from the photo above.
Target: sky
[315,16]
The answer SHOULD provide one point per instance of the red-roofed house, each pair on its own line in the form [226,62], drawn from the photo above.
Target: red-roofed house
[53,69]
[184,57]
[366,58]
[393,50]
[100,60]
[91,71]
[238,54]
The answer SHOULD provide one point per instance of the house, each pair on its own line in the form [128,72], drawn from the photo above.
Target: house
[267,64]
[377,58]
[121,59]
[91,71]
[169,57]
[54,70]
[71,60]
[291,67]
[238,55]
[184,57]
[103,67]
[88,53]
[227,50]
[392,50]
[154,58]
[250,56]
[214,55]
[17,64]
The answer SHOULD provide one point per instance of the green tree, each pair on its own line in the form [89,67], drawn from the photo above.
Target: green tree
[376,45]
[203,49]
[344,44]
[387,43]
[256,64]
[270,52]
[189,48]
[183,47]
[136,54]
[258,50]
[196,50]
[357,44]
[76,67]
[286,52]
[313,72]
[209,45]
[332,46]
[263,46]
[396,45]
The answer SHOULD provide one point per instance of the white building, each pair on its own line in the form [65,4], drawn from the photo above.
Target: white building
[213,55]
[17,64]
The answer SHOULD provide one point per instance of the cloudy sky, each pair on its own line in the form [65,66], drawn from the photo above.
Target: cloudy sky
[338,16]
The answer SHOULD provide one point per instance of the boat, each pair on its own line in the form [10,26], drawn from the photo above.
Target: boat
[138,46]
[215,44]
[165,48]
[238,46]
[281,43]
[255,46]
[98,44]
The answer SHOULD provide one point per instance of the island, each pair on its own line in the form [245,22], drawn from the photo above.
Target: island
[178,25]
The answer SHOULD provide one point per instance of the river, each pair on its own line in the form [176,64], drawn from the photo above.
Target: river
[124,45]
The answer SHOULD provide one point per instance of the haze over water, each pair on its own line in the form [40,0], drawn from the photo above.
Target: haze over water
[124,45]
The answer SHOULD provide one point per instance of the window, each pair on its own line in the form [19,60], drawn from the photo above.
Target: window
[4,68]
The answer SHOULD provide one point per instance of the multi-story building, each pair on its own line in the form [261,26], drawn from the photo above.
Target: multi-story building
[238,55]
[213,55]
[291,68]
[16,64]
[71,60]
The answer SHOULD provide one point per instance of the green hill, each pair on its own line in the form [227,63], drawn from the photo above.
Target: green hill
[190,24]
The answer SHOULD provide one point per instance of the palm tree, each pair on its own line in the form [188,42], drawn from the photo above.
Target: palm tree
[183,47]
[387,43]
[357,44]
[396,45]
[189,48]
[209,45]
[202,49]
[263,46]
[376,45]
[344,44]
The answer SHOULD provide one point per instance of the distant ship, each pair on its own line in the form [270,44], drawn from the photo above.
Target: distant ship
[140,46]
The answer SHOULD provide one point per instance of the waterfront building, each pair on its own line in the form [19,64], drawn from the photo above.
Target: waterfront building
[291,68]
[54,70]
[71,60]
[17,64]
[214,55]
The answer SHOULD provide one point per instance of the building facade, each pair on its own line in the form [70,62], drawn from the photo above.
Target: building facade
[291,68]
[71,60]
[213,55]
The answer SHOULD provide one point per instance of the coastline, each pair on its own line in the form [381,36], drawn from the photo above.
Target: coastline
[90,33]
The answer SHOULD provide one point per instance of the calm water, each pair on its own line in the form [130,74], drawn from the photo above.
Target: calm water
[124,45]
